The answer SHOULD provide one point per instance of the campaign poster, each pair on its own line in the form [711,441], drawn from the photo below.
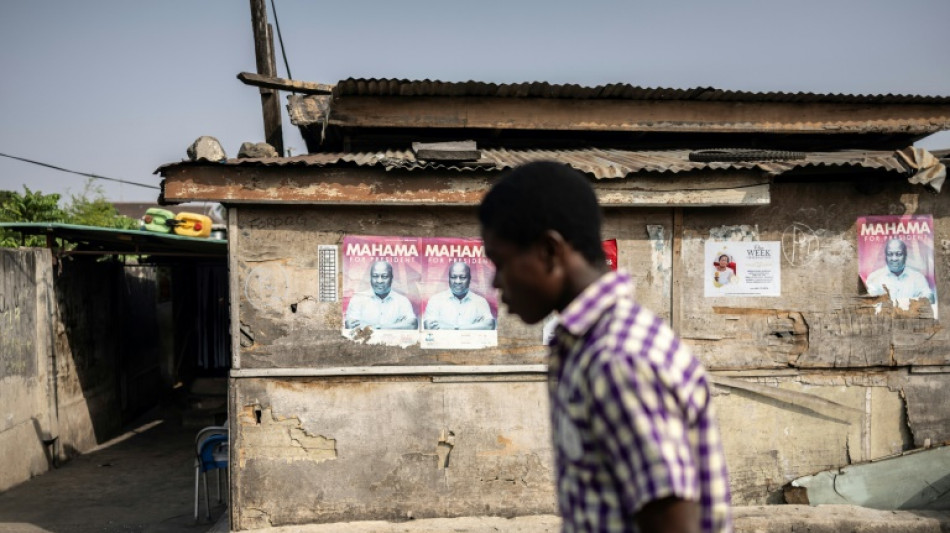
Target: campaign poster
[610,251]
[382,289]
[460,306]
[742,268]
[896,257]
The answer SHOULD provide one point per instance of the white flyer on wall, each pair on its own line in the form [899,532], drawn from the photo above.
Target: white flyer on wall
[742,268]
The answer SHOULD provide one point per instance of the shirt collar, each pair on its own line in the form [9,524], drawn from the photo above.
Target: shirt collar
[465,298]
[902,275]
[584,311]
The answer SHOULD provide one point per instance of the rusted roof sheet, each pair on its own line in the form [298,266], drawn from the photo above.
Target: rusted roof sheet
[619,91]
[599,163]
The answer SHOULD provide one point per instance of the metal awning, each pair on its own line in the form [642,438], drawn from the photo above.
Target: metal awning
[599,163]
[110,241]
[628,178]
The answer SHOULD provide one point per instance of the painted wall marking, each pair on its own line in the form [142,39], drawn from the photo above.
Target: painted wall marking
[800,244]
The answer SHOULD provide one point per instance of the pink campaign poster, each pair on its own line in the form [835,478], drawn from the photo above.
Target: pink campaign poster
[432,291]
[460,309]
[896,257]
[382,297]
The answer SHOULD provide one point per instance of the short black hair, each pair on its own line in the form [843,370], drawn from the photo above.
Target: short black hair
[536,197]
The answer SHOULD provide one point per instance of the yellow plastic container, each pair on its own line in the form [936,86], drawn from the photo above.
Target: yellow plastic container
[192,225]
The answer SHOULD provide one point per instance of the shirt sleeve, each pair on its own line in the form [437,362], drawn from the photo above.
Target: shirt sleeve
[433,308]
[483,311]
[354,311]
[922,289]
[639,419]
[405,311]
[874,285]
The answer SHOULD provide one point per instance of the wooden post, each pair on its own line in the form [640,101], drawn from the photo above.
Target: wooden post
[676,293]
[266,66]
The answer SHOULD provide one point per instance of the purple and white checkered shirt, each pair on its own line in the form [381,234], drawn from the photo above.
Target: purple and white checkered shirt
[631,415]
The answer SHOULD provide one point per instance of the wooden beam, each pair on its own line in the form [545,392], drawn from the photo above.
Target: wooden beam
[234,284]
[447,151]
[281,84]
[266,66]
[635,115]
[376,186]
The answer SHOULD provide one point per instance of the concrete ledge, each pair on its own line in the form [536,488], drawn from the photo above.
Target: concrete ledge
[836,519]
[762,519]
[465,524]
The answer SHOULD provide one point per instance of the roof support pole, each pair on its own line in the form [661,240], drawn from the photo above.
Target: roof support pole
[676,294]
[266,66]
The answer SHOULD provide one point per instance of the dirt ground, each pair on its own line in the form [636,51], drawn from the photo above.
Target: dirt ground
[139,482]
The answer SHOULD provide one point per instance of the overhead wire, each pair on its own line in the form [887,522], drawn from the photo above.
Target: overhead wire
[87,174]
[283,51]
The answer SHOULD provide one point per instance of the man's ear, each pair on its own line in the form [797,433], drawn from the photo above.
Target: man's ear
[553,249]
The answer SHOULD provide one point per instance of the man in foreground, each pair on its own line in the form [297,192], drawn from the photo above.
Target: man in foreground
[635,435]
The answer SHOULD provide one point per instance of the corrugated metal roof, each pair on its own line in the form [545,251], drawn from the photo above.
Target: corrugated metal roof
[599,163]
[396,87]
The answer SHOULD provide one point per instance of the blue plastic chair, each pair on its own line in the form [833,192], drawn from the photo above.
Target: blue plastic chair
[211,448]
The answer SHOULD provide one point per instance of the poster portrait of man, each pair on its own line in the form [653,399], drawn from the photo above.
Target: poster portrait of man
[895,257]
[380,295]
[380,307]
[458,307]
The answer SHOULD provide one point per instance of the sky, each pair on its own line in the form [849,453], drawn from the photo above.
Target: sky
[119,88]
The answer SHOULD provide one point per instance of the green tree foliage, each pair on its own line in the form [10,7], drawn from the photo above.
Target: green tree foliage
[33,206]
[92,209]
[89,208]
[28,207]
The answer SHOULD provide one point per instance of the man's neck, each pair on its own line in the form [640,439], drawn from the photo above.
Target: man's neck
[580,276]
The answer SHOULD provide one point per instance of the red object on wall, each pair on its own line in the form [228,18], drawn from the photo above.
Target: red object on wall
[610,249]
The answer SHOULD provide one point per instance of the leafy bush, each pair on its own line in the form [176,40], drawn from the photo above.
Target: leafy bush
[89,208]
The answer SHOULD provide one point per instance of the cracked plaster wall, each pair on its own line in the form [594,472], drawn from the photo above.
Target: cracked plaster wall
[415,446]
[336,450]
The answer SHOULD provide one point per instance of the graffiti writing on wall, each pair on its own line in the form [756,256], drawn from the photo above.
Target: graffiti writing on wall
[800,244]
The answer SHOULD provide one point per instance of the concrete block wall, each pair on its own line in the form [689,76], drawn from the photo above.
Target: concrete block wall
[819,377]
[26,419]
[63,356]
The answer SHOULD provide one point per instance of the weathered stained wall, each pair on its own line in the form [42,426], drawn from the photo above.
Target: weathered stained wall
[821,376]
[324,450]
[25,419]
[284,325]
[383,461]
[78,358]
[822,320]
[770,440]
[823,337]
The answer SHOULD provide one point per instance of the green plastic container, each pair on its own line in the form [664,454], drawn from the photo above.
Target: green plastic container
[155,220]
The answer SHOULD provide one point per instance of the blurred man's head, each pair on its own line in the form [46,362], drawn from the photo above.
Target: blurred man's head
[539,222]
[895,253]
[460,276]
[381,278]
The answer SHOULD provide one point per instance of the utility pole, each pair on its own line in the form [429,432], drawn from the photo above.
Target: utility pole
[267,66]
